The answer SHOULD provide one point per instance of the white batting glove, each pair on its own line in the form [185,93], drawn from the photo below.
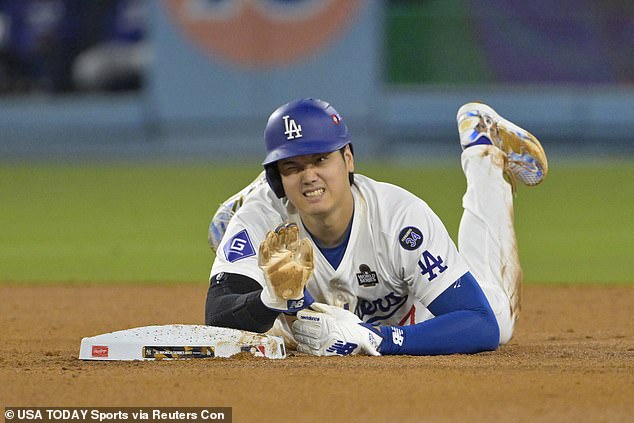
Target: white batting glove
[327,330]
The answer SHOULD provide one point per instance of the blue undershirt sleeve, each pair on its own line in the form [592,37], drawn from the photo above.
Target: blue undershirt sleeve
[463,324]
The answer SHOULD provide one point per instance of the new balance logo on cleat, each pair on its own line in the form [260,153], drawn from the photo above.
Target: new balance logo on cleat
[292,129]
[342,349]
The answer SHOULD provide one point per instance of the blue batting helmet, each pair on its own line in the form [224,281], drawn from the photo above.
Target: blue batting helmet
[307,126]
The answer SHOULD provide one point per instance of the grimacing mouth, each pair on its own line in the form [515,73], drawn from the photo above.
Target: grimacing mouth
[314,192]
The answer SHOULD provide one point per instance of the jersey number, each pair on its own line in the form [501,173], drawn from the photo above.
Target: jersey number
[431,263]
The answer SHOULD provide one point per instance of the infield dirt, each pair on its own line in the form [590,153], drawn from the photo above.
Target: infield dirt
[571,359]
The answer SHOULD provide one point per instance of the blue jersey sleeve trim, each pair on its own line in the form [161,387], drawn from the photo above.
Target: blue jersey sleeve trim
[464,324]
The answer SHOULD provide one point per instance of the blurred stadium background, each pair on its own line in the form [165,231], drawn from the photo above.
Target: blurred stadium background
[123,123]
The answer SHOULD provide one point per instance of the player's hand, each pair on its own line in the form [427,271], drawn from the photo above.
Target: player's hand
[328,330]
[287,263]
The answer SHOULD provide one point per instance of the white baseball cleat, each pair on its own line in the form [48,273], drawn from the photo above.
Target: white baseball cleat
[525,157]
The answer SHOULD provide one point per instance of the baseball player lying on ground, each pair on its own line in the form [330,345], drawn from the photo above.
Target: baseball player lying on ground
[340,264]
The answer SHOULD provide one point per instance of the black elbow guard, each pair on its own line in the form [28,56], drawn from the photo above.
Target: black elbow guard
[233,301]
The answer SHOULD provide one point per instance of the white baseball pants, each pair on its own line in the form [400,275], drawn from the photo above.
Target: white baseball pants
[486,237]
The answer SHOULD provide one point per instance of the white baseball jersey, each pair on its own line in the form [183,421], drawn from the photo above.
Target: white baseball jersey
[399,256]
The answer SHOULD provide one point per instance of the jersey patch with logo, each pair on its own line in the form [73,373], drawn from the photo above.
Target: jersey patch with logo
[239,247]
[367,277]
[410,238]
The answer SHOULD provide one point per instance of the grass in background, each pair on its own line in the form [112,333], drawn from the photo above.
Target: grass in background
[134,223]
[110,223]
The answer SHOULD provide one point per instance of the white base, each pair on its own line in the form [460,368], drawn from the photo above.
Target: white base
[168,342]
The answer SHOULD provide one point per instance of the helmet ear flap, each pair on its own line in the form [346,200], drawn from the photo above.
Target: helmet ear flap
[274,179]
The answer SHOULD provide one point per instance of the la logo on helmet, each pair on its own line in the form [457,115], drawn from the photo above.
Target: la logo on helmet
[292,129]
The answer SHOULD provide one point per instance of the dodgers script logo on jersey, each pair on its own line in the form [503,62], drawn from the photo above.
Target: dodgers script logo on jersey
[239,247]
[380,308]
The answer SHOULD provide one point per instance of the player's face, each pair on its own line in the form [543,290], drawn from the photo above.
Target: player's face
[318,184]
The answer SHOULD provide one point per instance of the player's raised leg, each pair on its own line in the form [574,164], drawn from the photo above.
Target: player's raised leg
[494,148]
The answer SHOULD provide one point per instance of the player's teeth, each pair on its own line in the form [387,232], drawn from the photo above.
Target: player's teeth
[314,193]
